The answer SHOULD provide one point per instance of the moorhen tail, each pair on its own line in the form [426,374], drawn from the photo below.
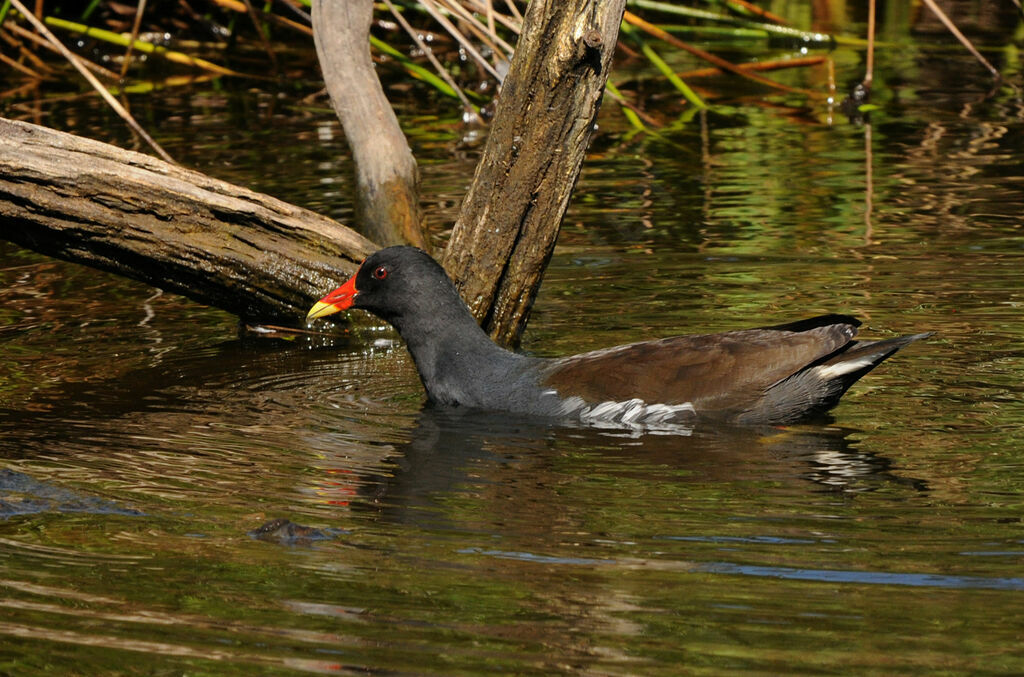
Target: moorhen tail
[770,375]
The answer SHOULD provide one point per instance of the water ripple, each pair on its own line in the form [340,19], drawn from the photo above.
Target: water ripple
[790,573]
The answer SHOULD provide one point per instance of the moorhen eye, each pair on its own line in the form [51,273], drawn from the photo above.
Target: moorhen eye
[380,272]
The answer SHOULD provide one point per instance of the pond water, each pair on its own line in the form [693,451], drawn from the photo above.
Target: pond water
[143,443]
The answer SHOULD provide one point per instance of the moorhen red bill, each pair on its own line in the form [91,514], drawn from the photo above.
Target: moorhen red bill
[770,375]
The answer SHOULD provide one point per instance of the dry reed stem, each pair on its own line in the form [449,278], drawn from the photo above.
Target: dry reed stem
[435,12]
[107,96]
[961,37]
[653,30]
[136,25]
[488,37]
[438,66]
[45,44]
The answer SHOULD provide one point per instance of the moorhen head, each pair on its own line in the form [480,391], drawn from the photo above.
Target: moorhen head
[769,375]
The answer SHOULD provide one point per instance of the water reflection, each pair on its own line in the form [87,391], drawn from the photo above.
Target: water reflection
[420,527]
[330,407]
[450,451]
[142,443]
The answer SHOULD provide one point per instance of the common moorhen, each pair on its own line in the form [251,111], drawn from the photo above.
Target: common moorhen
[770,375]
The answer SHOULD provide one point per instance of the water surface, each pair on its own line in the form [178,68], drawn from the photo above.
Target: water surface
[143,442]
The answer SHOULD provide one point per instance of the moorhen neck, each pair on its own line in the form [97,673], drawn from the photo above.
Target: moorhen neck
[770,375]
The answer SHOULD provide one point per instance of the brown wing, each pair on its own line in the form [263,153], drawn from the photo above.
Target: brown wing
[714,372]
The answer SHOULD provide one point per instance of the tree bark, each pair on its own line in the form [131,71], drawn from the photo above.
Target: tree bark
[182,231]
[264,259]
[543,123]
[387,178]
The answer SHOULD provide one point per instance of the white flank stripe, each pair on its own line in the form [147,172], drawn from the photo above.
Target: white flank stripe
[828,371]
[634,412]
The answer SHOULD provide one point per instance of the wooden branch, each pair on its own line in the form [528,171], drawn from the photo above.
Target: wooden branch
[387,178]
[266,260]
[182,231]
[543,122]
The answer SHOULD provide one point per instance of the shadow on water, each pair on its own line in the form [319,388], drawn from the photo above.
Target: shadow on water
[448,447]
[441,452]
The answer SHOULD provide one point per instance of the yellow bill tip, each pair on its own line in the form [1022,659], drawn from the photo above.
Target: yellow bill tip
[321,309]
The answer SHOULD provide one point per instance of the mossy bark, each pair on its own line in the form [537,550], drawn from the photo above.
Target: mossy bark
[544,120]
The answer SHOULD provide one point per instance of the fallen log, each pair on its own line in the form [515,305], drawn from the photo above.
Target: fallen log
[177,229]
